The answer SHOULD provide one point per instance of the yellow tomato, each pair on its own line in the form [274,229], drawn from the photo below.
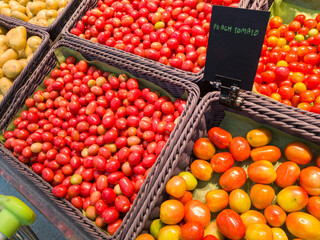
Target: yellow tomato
[292,198]
[172,232]
[239,201]
[259,137]
[191,181]
[258,231]
[279,234]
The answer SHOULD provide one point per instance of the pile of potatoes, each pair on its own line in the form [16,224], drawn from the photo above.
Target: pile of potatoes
[16,49]
[38,12]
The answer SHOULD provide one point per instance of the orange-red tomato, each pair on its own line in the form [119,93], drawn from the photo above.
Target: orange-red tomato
[201,169]
[313,206]
[262,172]
[287,174]
[240,149]
[298,152]
[233,178]
[252,216]
[259,137]
[171,212]
[318,161]
[197,211]
[192,231]
[268,153]
[259,231]
[275,22]
[145,236]
[204,149]
[176,186]
[292,198]
[221,162]
[262,195]
[275,215]
[217,200]
[187,196]
[310,180]
[219,137]
[303,225]
[230,224]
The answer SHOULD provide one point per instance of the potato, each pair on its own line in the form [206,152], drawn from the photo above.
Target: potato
[8,55]
[36,6]
[29,57]
[23,2]
[13,3]
[62,3]
[51,20]
[52,4]
[1,73]
[51,14]
[16,38]
[60,10]
[5,84]
[19,8]
[12,68]
[6,1]
[3,45]
[6,11]
[43,23]
[4,5]
[19,15]
[41,14]
[28,12]
[3,30]
[34,42]
[1,97]
[28,50]
[33,21]
[24,62]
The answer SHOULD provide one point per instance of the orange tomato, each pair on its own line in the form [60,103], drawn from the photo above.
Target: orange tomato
[262,195]
[310,180]
[233,178]
[267,153]
[176,186]
[187,196]
[275,215]
[204,149]
[145,236]
[303,225]
[313,206]
[287,174]
[221,162]
[279,234]
[217,200]
[262,172]
[298,152]
[171,212]
[275,22]
[197,211]
[201,170]
[292,198]
[239,201]
[230,224]
[219,137]
[258,231]
[252,216]
[259,137]
[240,149]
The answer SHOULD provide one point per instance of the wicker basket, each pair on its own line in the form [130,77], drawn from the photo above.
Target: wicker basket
[10,23]
[210,113]
[54,29]
[194,77]
[177,87]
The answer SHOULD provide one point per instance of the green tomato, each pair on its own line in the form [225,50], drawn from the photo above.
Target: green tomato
[76,179]
[191,181]
[299,37]
[159,25]
[155,227]
[313,32]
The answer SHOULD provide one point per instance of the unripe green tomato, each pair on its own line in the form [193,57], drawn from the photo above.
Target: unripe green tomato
[191,181]
[155,227]
[76,179]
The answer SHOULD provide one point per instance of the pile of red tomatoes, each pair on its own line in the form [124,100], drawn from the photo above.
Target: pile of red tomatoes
[172,32]
[93,136]
[288,69]
[266,201]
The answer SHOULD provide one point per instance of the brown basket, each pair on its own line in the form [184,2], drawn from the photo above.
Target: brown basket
[54,29]
[177,87]
[208,114]
[10,23]
[89,4]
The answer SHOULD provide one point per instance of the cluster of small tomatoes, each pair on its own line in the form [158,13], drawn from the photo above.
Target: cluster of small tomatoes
[93,136]
[288,69]
[172,32]
[257,213]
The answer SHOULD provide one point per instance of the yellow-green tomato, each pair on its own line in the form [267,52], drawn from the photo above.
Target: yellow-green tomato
[191,181]
[172,232]
[155,227]
[212,229]
[239,201]
[279,234]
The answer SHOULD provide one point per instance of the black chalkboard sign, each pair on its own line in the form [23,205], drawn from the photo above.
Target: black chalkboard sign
[235,41]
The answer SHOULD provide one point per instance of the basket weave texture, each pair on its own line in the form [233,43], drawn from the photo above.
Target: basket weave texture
[43,48]
[55,28]
[209,113]
[177,87]
[89,4]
